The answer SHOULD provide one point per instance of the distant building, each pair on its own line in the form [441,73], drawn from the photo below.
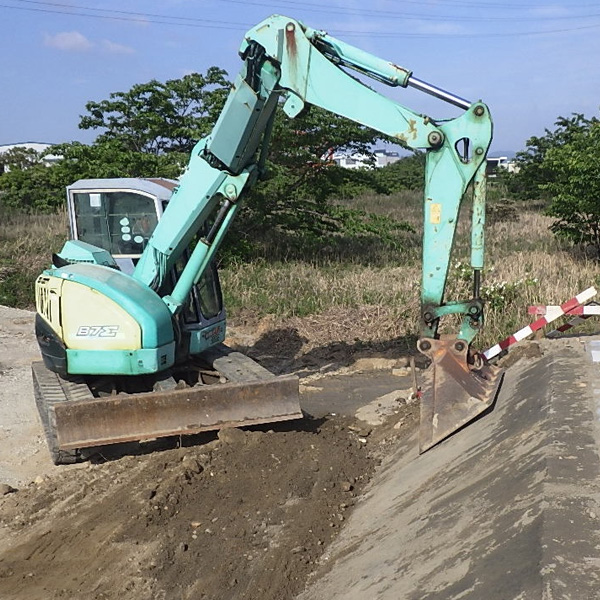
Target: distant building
[38,147]
[387,157]
[361,161]
[500,162]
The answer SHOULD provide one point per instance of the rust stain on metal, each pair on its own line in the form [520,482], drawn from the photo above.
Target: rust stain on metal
[459,392]
[412,128]
[404,136]
[403,71]
[290,40]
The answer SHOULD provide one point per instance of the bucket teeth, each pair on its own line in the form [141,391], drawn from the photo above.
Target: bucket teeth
[458,393]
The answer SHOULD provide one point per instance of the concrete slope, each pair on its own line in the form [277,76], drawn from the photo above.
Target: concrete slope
[505,509]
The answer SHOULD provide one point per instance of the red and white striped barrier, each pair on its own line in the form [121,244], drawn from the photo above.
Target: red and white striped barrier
[573,322]
[589,309]
[552,313]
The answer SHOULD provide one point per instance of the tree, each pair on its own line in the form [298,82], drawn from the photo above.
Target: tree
[38,187]
[300,183]
[408,173]
[157,117]
[575,185]
[151,129]
[18,158]
[533,171]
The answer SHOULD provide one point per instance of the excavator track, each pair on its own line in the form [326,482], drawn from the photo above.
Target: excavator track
[49,391]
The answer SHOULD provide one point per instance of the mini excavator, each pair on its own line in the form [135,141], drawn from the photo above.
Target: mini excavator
[130,319]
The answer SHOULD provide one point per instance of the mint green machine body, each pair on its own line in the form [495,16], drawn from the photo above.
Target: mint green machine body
[291,65]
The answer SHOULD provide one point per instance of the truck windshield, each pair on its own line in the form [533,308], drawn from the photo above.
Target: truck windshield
[118,221]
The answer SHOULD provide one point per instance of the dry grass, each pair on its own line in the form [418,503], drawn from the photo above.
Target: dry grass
[362,293]
[26,246]
[347,301]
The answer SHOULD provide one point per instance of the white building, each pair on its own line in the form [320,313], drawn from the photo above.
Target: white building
[38,147]
[361,161]
[500,162]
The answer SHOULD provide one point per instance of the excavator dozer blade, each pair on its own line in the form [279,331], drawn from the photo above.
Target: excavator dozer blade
[74,419]
[458,392]
[130,417]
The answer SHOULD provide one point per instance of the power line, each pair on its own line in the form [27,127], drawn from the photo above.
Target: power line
[318,8]
[127,12]
[194,22]
[466,4]
[184,23]
[513,34]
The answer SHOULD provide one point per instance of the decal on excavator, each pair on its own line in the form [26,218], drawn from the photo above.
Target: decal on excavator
[97,331]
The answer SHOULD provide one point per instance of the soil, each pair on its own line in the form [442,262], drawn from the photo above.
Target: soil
[239,514]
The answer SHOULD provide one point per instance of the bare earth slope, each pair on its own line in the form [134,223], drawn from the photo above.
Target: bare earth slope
[245,514]
[23,455]
[506,509]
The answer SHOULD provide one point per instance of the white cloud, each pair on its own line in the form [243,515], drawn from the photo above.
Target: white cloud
[114,48]
[70,41]
[73,41]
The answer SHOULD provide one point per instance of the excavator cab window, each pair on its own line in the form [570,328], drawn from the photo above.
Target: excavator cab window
[208,293]
[205,301]
[118,221]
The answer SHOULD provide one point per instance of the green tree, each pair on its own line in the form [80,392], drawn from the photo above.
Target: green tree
[301,183]
[575,185]
[157,117]
[151,129]
[534,172]
[18,158]
[408,173]
[148,131]
[38,187]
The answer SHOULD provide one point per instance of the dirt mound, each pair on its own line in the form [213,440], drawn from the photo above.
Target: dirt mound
[242,514]
[246,514]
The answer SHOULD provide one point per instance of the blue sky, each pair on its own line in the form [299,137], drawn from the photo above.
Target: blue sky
[529,60]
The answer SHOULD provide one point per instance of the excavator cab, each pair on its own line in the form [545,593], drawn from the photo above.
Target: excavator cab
[120,215]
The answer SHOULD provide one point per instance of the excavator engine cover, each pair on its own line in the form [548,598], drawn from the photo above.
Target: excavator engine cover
[458,392]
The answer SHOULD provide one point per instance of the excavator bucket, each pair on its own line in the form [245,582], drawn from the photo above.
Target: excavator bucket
[458,392]
[75,419]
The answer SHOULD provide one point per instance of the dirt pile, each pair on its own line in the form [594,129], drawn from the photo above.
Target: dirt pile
[246,514]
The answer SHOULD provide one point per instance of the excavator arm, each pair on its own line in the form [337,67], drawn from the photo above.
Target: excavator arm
[287,62]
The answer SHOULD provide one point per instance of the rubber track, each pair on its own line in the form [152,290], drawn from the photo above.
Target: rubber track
[49,389]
